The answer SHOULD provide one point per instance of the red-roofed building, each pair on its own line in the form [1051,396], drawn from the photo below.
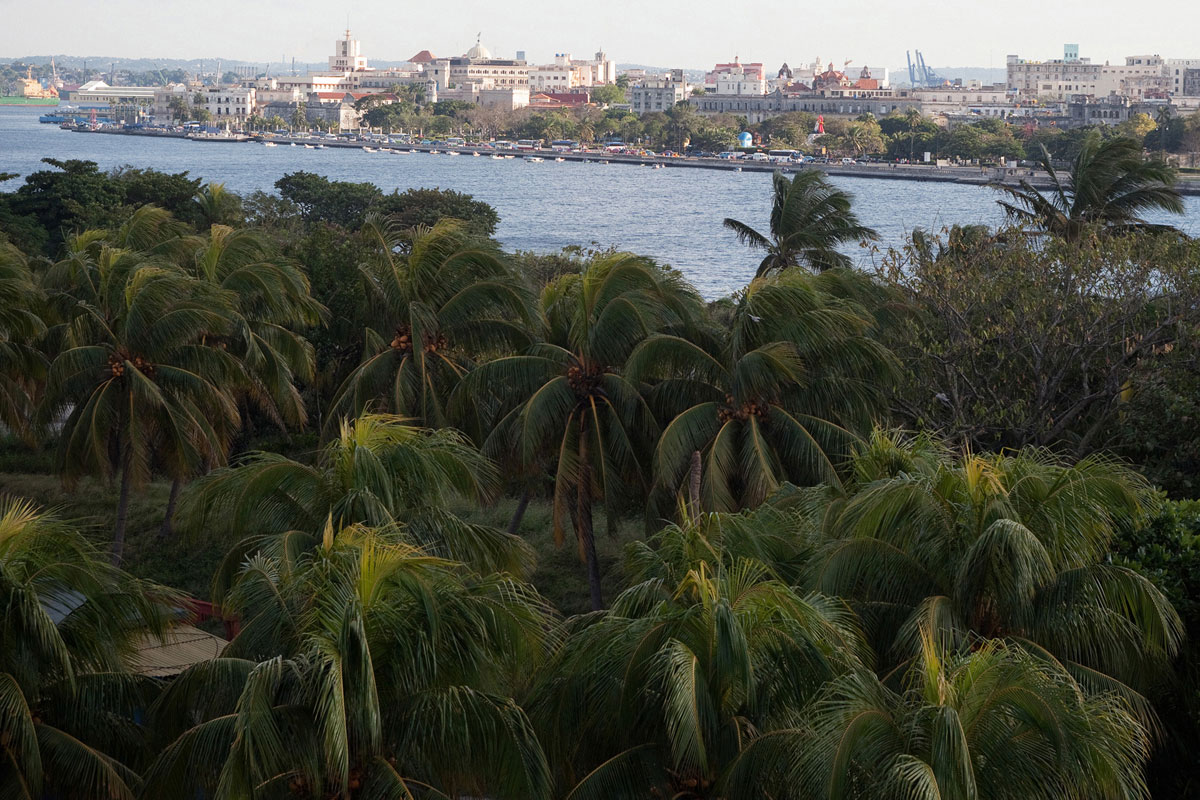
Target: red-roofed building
[423,57]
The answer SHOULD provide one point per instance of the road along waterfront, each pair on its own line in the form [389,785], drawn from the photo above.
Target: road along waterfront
[673,215]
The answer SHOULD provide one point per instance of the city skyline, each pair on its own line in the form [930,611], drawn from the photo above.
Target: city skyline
[269,31]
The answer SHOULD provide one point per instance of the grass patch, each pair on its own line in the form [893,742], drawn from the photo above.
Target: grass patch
[186,563]
[559,573]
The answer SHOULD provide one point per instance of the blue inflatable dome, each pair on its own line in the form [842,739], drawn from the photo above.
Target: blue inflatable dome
[745,139]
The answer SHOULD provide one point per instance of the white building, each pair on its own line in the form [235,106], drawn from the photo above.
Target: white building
[740,80]
[347,55]
[477,77]
[230,102]
[567,74]
[99,93]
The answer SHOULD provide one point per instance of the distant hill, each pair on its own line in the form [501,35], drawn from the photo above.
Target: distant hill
[985,75]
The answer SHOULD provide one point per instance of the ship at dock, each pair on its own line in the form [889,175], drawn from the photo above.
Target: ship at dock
[31,93]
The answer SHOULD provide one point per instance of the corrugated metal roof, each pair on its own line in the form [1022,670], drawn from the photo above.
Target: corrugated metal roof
[180,648]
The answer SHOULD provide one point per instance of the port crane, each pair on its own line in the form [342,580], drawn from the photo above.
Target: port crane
[919,74]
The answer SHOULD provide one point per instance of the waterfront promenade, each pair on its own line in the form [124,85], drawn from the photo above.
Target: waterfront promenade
[970,175]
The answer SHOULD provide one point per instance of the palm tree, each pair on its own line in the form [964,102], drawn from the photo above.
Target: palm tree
[798,378]
[913,120]
[1162,119]
[999,546]
[995,722]
[660,696]
[565,401]
[810,219]
[1110,184]
[67,697]
[133,383]
[379,471]
[271,299]
[215,205]
[364,668]
[436,301]
[21,362]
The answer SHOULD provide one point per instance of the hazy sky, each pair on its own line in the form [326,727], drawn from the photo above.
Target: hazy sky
[692,35]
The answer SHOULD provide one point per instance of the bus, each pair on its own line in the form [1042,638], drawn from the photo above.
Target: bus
[781,156]
[529,144]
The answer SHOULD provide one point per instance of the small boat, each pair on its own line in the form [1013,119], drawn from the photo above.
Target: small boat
[309,147]
[560,159]
[320,147]
[497,157]
[739,169]
[510,156]
[534,159]
[476,154]
[601,162]
[433,152]
[270,144]
[293,144]
[658,166]
[370,150]
[453,153]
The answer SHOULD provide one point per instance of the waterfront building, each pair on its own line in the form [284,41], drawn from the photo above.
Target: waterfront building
[164,95]
[842,101]
[738,79]
[567,73]
[1140,77]
[230,103]
[975,100]
[1112,110]
[99,93]
[477,77]
[753,71]
[658,93]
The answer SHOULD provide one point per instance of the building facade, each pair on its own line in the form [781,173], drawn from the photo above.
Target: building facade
[658,94]
[230,103]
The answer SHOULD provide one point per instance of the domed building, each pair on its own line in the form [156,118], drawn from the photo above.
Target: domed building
[479,77]
[478,52]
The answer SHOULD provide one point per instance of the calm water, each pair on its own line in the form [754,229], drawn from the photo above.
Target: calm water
[672,214]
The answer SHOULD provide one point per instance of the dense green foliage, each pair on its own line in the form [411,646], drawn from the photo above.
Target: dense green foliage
[348,392]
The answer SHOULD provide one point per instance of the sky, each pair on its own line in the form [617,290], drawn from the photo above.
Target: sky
[666,34]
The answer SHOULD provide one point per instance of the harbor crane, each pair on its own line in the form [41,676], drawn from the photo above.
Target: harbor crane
[919,74]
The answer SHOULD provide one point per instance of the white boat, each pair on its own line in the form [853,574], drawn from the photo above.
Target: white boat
[293,144]
[739,169]
[510,156]
[370,150]
[560,159]
[433,152]
[270,144]
[534,159]
[320,147]
[602,162]
[309,147]
[476,154]
[497,157]
[453,153]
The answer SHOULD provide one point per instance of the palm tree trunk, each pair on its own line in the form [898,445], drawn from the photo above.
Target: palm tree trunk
[118,545]
[515,523]
[587,538]
[694,484]
[168,523]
